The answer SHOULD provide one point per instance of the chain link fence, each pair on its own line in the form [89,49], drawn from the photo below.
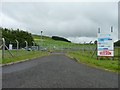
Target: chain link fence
[13,50]
[87,50]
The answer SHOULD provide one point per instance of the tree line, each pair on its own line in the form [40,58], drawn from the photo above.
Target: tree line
[11,35]
[117,43]
[60,38]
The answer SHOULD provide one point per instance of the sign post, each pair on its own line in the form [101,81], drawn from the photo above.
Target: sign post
[105,46]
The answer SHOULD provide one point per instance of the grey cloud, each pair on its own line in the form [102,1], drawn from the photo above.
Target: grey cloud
[65,19]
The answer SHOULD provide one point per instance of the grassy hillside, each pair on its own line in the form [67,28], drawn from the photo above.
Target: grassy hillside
[48,42]
[38,37]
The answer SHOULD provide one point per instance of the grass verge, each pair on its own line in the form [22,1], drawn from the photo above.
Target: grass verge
[24,55]
[110,65]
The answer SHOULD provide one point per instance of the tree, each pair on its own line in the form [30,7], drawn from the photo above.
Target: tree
[11,35]
[60,38]
[95,42]
[117,43]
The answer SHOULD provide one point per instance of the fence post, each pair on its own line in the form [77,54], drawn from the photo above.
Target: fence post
[41,40]
[26,45]
[3,48]
[33,43]
[17,46]
[33,46]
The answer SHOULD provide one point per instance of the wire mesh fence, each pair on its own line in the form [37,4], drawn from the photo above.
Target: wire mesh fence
[13,51]
[87,50]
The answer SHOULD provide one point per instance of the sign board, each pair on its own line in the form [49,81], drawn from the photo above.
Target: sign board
[105,46]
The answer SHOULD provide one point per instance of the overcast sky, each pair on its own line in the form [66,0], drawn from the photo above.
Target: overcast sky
[76,21]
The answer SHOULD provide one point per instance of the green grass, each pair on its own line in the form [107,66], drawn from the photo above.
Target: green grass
[39,36]
[104,64]
[22,55]
[59,45]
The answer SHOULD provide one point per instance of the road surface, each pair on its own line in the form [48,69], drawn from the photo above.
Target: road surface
[56,71]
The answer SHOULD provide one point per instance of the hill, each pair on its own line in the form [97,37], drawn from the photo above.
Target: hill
[51,44]
[60,38]
[39,37]
[53,37]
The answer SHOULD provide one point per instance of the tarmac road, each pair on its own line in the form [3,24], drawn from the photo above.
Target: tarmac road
[56,71]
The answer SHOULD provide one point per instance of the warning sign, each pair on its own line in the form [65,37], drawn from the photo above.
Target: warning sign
[105,44]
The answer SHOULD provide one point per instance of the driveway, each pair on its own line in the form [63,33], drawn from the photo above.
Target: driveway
[56,71]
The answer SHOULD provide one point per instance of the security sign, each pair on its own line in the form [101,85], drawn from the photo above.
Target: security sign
[105,44]
[105,53]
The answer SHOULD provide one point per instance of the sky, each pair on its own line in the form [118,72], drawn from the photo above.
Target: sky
[76,21]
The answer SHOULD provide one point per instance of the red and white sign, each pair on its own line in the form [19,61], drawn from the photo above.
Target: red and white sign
[105,53]
[105,46]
